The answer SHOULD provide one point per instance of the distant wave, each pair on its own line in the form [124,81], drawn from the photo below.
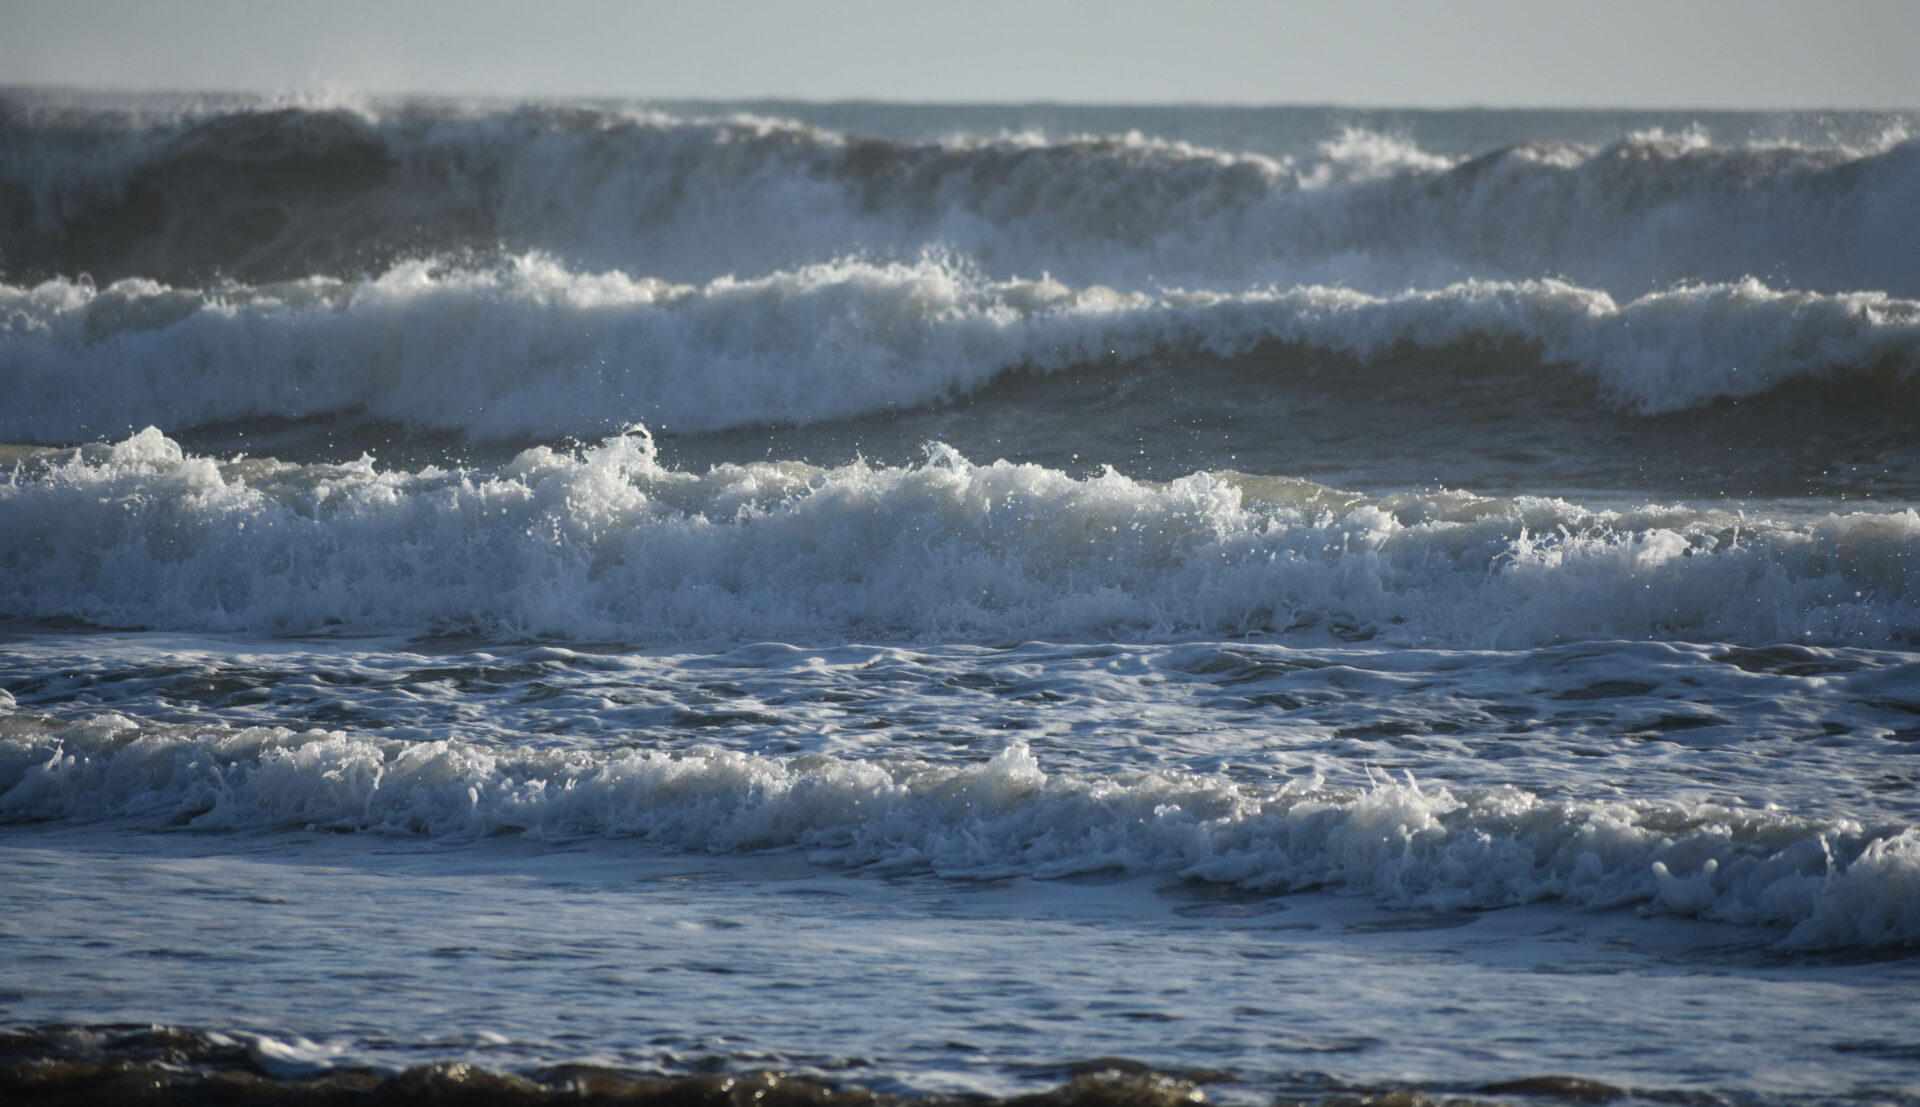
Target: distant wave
[1826,885]
[529,348]
[608,544]
[262,194]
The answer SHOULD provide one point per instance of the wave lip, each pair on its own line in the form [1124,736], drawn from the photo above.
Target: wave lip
[531,348]
[1827,885]
[608,544]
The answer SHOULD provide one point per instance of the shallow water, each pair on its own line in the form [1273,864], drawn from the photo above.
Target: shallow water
[516,955]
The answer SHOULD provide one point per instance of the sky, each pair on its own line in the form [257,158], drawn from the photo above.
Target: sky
[1412,53]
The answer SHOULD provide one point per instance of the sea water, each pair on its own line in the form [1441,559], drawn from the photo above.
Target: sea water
[930,598]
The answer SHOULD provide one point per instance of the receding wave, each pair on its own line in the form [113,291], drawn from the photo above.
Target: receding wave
[1827,884]
[606,543]
[263,194]
[529,348]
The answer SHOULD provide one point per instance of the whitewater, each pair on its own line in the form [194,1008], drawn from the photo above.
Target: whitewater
[957,600]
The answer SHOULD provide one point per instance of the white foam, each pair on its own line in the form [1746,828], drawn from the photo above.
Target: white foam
[1824,884]
[529,347]
[607,543]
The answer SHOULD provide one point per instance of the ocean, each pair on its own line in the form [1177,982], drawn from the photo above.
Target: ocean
[913,601]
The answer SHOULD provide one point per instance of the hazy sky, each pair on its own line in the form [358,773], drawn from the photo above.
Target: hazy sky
[1640,53]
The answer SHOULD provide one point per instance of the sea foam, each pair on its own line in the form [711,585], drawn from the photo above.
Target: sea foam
[608,543]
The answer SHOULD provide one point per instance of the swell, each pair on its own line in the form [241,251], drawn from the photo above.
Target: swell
[607,544]
[529,348]
[261,194]
[1823,884]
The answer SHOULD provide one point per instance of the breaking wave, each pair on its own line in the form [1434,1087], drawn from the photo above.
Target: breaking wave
[527,347]
[262,193]
[1826,884]
[607,543]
